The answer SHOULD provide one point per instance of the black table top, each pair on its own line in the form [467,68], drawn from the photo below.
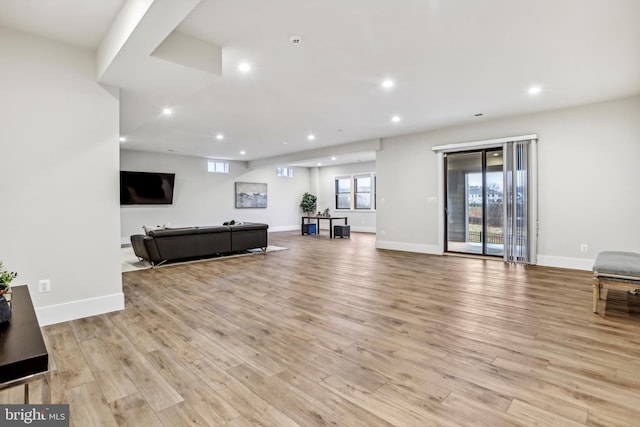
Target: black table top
[22,349]
[324,217]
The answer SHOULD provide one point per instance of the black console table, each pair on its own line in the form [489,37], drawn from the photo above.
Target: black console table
[318,218]
[23,355]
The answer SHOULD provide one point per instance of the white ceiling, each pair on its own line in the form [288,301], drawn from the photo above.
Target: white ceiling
[450,59]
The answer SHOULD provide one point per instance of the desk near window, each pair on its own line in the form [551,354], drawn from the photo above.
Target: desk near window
[318,218]
[23,354]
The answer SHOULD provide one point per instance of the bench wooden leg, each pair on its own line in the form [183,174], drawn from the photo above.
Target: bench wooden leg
[596,293]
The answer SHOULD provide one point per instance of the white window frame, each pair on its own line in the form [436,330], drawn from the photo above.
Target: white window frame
[370,192]
[336,193]
[352,179]
[284,171]
[217,166]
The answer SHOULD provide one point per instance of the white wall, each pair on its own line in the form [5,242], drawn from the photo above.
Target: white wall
[364,221]
[203,198]
[59,199]
[587,187]
[407,180]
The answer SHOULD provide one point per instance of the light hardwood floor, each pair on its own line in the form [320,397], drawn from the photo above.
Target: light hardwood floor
[335,332]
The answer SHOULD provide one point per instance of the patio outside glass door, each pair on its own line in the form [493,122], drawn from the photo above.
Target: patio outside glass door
[475,202]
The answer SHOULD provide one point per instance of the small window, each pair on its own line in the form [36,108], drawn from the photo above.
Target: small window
[287,172]
[356,192]
[363,192]
[343,193]
[218,166]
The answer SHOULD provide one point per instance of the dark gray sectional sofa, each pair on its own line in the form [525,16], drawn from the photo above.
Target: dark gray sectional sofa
[174,244]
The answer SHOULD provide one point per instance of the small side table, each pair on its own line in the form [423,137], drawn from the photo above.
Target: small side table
[23,355]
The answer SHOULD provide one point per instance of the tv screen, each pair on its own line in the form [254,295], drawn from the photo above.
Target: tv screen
[146,188]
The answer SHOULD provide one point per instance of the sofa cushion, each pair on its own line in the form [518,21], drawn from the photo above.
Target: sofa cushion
[213,241]
[213,229]
[248,226]
[248,236]
[169,232]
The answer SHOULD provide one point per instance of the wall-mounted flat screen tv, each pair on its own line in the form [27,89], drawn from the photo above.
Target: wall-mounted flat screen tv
[146,188]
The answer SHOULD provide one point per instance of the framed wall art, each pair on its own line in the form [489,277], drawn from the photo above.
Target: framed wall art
[251,195]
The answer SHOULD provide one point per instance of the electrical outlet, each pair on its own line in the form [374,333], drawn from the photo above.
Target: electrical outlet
[584,247]
[44,285]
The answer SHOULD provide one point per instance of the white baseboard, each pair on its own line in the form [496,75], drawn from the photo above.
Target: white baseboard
[357,229]
[542,260]
[409,247]
[564,262]
[78,309]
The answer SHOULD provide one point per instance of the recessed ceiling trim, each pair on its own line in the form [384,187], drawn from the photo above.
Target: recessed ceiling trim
[371,145]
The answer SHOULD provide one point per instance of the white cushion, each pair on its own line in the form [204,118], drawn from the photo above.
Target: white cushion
[148,228]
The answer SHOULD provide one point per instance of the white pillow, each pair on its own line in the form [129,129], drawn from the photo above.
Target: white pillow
[148,228]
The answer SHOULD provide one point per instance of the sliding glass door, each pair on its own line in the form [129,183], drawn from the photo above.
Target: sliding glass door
[475,202]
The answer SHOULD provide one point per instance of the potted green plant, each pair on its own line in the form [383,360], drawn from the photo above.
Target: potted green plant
[5,279]
[5,296]
[308,204]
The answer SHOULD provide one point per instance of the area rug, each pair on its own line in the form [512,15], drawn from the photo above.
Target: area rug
[130,262]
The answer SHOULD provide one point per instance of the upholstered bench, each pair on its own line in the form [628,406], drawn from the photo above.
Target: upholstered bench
[340,230]
[613,268]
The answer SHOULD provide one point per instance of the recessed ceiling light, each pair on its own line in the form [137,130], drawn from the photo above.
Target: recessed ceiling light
[244,67]
[396,119]
[534,90]
[123,139]
[333,158]
[285,143]
[311,137]
[319,164]
[167,111]
[219,136]
[388,84]
[242,153]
